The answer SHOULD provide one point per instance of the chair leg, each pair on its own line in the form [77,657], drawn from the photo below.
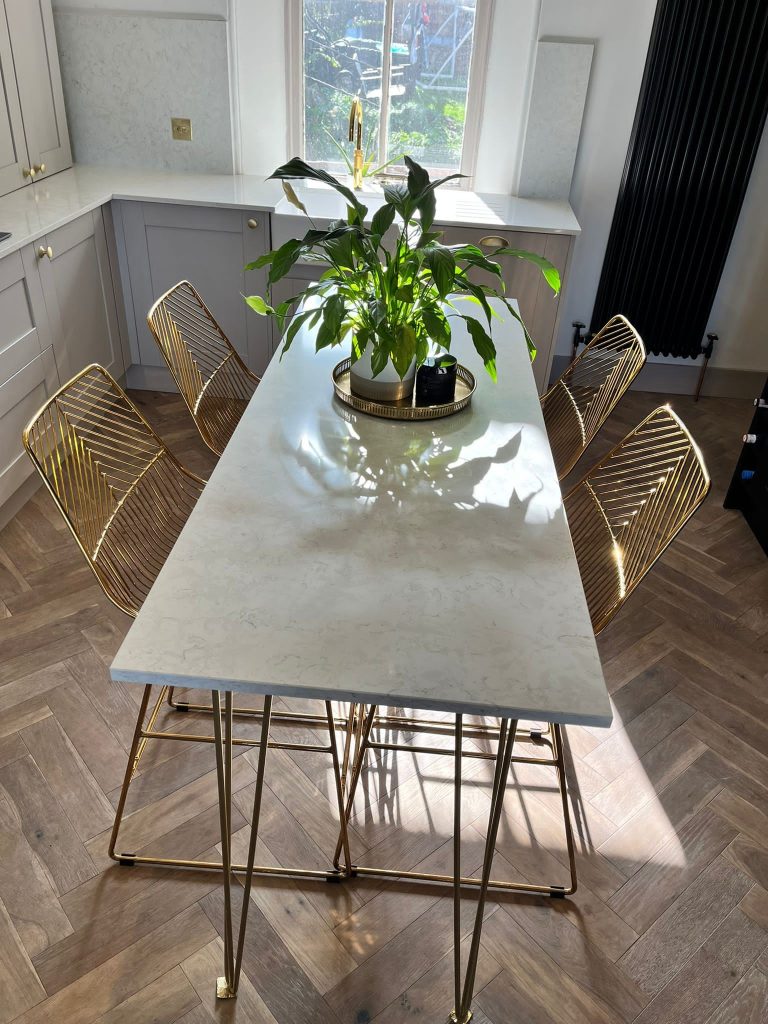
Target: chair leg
[145,731]
[138,743]
[553,731]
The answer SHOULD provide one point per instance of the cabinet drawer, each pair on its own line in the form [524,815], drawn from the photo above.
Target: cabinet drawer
[20,398]
[23,325]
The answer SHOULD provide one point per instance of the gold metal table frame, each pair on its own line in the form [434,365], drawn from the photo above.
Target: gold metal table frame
[361,723]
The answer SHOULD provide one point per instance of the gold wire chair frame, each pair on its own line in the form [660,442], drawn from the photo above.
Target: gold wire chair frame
[46,440]
[628,508]
[94,450]
[211,377]
[580,400]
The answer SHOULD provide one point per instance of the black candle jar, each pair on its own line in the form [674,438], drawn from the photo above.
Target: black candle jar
[436,380]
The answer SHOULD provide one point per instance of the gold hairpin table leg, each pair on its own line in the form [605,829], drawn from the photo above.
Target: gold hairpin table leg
[461,1013]
[226,987]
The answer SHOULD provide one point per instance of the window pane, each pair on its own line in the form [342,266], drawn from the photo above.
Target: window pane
[342,59]
[431,52]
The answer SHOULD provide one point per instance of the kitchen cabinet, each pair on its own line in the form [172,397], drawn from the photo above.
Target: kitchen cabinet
[34,140]
[537,303]
[13,148]
[58,313]
[76,279]
[209,246]
[28,374]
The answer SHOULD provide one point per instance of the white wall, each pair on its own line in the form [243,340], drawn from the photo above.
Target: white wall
[739,311]
[620,30]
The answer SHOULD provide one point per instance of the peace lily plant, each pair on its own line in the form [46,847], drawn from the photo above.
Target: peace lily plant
[390,301]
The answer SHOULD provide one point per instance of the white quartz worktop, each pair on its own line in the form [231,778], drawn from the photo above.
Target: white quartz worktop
[339,556]
[33,211]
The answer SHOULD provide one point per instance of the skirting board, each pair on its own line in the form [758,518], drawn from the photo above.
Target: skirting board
[149,378]
[681,378]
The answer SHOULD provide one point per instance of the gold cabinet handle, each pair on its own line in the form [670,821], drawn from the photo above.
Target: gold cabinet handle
[29,172]
[43,251]
[38,168]
[252,222]
[493,241]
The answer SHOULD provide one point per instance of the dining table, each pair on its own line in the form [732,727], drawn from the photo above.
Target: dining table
[410,564]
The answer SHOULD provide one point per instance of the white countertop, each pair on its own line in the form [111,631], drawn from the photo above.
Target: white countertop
[33,211]
[339,556]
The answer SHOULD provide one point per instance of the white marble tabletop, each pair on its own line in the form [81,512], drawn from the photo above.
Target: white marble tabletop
[335,555]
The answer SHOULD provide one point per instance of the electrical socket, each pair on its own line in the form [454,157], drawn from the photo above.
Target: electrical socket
[181,129]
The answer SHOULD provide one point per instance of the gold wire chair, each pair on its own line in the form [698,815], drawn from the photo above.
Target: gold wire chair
[214,382]
[126,498]
[580,401]
[629,507]
[622,516]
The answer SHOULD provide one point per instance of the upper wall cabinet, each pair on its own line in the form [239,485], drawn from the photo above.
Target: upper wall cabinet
[33,128]
[13,148]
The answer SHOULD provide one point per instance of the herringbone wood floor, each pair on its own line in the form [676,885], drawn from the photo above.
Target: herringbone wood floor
[670,924]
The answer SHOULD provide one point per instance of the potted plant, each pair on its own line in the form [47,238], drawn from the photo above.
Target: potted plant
[390,301]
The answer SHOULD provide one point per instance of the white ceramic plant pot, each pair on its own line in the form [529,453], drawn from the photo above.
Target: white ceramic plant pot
[385,386]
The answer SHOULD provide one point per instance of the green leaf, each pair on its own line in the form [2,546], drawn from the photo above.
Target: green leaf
[427,207]
[439,259]
[418,178]
[379,356]
[330,328]
[258,304]
[528,339]
[405,349]
[437,326]
[483,344]
[382,219]
[284,259]
[549,270]
[262,261]
[293,329]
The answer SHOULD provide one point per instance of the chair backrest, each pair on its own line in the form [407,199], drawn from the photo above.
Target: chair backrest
[123,494]
[213,380]
[630,506]
[580,401]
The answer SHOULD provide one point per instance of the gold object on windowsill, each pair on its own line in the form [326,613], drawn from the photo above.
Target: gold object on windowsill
[356,136]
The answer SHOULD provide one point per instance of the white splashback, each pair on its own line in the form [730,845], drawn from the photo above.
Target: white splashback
[559,92]
[126,76]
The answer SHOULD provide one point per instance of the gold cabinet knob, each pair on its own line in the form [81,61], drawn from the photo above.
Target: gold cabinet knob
[493,242]
[38,168]
[29,172]
[252,222]
[43,251]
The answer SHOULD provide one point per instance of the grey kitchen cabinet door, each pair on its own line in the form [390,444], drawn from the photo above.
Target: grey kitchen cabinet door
[208,246]
[79,296]
[13,147]
[524,282]
[28,374]
[36,62]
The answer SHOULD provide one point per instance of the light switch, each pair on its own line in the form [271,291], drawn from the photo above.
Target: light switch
[181,129]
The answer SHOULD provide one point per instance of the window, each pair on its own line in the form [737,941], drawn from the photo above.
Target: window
[419,69]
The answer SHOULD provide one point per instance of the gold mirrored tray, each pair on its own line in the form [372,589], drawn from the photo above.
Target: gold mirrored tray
[406,409]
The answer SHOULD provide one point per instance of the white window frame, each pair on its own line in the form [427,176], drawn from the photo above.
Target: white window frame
[294,39]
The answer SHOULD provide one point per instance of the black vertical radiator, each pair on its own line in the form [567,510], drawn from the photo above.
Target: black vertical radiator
[698,124]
